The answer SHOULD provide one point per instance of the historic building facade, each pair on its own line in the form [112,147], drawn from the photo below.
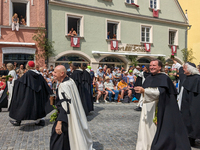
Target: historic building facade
[193,14]
[17,45]
[108,31]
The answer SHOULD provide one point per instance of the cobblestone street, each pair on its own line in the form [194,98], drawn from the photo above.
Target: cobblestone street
[113,127]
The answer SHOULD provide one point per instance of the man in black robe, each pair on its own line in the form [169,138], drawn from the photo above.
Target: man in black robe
[77,76]
[170,133]
[189,99]
[141,76]
[87,88]
[30,99]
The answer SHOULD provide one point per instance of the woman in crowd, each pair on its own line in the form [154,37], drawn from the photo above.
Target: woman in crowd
[100,89]
[131,76]
[15,22]
[109,74]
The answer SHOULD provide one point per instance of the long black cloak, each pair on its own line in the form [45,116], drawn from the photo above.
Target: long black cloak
[77,76]
[87,90]
[190,103]
[4,98]
[60,142]
[30,98]
[139,83]
[171,133]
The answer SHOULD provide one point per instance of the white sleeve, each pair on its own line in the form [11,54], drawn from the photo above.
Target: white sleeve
[177,65]
[151,94]
[136,72]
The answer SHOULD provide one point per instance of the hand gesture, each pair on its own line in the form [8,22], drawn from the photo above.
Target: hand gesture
[59,127]
[139,89]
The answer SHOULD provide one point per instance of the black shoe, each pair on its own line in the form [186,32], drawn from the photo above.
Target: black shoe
[15,123]
[138,109]
[192,142]
[0,109]
[40,123]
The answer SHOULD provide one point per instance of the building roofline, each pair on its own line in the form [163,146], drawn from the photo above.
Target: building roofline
[119,13]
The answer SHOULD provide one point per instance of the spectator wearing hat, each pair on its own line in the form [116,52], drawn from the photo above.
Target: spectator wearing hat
[123,89]
[131,76]
[109,86]
[125,76]
[100,89]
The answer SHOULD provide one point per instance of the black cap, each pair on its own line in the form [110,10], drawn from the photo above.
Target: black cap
[192,64]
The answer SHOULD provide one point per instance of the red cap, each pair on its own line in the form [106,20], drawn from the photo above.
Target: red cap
[31,64]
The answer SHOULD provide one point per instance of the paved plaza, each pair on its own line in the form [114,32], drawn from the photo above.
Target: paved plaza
[113,126]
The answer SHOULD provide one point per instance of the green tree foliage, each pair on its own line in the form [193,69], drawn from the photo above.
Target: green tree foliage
[44,44]
[187,55]
[133,60]
[162,59]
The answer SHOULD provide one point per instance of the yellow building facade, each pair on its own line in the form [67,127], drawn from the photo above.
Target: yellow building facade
[193,13]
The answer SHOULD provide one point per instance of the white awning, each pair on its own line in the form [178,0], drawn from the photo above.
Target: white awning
[17,43]
[133,54]
[18,50]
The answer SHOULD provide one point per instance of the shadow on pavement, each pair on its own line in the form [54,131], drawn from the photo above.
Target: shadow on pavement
[97,146]
[94,113]
[29,127]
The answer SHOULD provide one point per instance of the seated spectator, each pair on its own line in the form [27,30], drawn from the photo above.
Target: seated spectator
[131,76]
[123,89]
[15,22]
[130,87]
[2,85]
[100,73]
[23,22]
[108,74]
[125,76]
[100,89]
[116,74]
[109,86]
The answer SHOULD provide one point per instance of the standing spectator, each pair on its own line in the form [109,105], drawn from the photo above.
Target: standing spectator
[172,74]
[100,89]
[2,85]
[51,68]
[100,73]
[37,68]
[123,89]
[20,71]
[104,68]
[41,71]
[92,80]
[109,86]
[15,22]
[49,80]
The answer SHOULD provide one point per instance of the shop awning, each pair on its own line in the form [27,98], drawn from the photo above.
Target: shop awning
[130,53]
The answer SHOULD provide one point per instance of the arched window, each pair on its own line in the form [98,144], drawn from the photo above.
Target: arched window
[71,58]
[111,62]
[143,61]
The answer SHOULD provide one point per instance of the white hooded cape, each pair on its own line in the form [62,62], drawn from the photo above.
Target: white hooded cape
[79,134]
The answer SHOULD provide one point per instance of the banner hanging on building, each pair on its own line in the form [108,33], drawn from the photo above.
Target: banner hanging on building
[114,45]
[147,47]
[174,49]
[75,41]
[155,13]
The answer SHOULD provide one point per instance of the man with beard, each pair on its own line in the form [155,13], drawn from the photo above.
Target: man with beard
[189,99]
[161,126]
[70,130]
[30,99]
[141,76]
[77,76]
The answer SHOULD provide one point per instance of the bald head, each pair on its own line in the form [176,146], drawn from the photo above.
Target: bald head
[59,73]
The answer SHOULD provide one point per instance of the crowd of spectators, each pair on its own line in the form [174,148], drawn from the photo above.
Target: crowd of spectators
[112,84]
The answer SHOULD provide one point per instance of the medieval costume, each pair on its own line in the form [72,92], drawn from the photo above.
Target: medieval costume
[161,126]
[30,99]
[77,76]
[75,133]
[189,100]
